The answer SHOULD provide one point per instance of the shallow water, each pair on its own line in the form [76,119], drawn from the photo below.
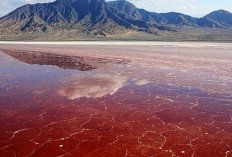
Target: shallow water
[57,105]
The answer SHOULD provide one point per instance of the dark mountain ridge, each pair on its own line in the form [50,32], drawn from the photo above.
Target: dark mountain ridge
[171,18]
[72,19]
[222,16]
[73,14]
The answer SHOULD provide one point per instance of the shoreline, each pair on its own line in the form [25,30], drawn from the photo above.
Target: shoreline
[119,43]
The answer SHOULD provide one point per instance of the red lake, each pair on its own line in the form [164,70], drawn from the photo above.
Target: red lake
[116,100]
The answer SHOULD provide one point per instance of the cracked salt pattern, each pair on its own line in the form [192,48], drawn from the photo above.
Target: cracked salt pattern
[161,106]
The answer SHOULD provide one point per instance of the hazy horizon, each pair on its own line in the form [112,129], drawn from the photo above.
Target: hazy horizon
[195,8]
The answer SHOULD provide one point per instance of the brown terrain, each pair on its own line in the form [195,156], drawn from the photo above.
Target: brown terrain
[112,20]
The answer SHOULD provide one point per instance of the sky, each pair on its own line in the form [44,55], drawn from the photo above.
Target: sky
[196,8]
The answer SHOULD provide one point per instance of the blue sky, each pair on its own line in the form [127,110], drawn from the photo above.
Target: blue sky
[195,8]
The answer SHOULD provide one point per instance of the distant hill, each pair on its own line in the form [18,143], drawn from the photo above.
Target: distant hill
[141,14]
[221,16]
[171,18]
[97,19]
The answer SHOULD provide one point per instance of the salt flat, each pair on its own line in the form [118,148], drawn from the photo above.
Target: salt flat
[187,44]
[127,49]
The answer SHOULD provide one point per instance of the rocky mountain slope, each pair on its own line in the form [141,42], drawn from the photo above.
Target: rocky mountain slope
[97,19]
[90,16]
[222,16]
[171,18]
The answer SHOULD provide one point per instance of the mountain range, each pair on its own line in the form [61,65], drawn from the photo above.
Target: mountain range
[97,19]
[171,18]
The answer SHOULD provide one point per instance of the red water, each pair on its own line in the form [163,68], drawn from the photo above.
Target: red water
[50,108]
